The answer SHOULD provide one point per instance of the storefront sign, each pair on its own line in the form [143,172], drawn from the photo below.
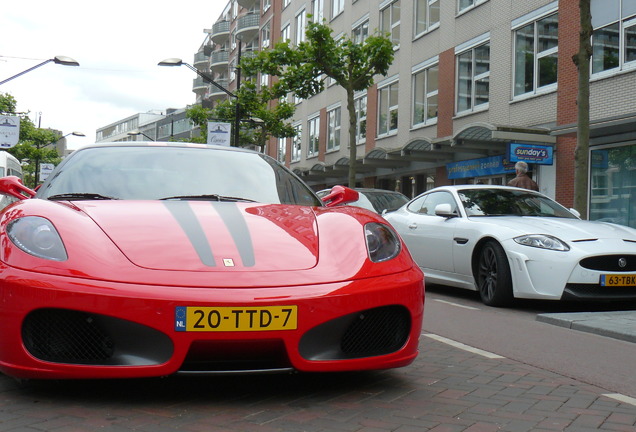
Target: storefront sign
[9,131]
[493,165]
[531,153]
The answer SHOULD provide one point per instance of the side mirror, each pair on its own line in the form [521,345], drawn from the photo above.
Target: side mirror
[340,195]
[12,185]
[444,210]
[575,212]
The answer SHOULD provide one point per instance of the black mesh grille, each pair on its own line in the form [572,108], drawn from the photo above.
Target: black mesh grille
[65,336]
[377,331]
[609,263]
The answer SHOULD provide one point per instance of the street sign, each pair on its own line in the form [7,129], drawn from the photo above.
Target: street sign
[45,170]
[9,131]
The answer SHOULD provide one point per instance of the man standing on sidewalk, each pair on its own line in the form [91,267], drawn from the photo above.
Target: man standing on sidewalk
[523,180]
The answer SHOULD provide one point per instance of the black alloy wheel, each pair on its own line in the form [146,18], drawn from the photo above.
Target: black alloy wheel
[493,276]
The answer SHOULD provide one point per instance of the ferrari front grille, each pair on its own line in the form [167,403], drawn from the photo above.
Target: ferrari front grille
[377,331]
[65,336]
[367,333]
[610,263]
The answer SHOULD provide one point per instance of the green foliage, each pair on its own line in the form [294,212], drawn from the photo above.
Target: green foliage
[302,69]
[34,143]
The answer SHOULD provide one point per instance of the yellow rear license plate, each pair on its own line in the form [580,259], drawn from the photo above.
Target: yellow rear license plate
[618,280]
[236,318]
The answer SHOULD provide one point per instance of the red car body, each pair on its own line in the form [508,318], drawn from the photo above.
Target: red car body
[154,288]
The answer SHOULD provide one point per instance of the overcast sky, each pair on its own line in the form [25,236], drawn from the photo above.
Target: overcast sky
[117,44]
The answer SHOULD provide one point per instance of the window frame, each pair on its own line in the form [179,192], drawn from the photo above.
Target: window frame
[389,86]
[394,26]
[313,136]
[334,128]
[624,23]
[428,26]
[425,68]
[474,78]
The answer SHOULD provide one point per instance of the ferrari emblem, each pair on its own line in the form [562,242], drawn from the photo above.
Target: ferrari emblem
[228,262]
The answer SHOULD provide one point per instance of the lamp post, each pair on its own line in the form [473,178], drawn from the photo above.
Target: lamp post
[136,133]
[65,61]
[37,154]
[208,79]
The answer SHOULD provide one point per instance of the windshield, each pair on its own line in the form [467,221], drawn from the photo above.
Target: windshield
[164,172]
[502,202]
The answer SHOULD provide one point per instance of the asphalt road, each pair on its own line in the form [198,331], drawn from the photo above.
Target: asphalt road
[517,334]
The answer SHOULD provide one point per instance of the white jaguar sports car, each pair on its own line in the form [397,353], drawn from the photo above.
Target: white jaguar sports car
[512,243]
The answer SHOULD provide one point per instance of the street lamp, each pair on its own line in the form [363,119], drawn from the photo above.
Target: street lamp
[37,154]
[207,78]
[135,133]
[65,61]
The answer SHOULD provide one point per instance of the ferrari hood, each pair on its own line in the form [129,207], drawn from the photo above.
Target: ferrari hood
[565,229]
[209,236]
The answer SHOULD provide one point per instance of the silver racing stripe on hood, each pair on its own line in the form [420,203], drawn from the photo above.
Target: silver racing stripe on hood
[188,221]
[234,221]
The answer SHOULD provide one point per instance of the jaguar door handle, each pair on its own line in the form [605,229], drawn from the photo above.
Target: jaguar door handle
[413,226]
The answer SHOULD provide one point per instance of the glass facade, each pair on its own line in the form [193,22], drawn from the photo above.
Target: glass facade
[613,184]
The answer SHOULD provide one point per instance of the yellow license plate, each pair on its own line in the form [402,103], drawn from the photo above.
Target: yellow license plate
[618,280]
[236,318]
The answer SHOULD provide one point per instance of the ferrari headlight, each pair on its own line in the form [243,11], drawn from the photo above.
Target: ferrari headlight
[38,237]
[382,242]
[543,241]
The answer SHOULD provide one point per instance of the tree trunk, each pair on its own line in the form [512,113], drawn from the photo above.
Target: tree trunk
[581,152]
[352,138]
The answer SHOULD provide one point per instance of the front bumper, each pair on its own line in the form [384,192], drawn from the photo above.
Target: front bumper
[61,327]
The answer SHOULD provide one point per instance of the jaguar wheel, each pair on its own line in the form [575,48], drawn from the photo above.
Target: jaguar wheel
[493,276]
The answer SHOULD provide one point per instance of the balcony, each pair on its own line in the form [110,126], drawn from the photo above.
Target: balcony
[199,86]
[220,32]
[201,60]
[217,93]
[248,26]
[247,3]
[219,60]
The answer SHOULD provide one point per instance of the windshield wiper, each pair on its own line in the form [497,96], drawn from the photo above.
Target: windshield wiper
[80,196]
[209,197]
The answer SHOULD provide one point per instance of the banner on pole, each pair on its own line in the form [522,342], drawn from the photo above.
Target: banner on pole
[9,131]
[219,133]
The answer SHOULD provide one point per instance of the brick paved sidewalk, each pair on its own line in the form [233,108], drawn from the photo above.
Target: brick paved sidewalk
[446,390]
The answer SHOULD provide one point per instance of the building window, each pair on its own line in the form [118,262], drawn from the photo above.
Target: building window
[425,89]
[360,32]
[286,3]
[426,15]
[297,143]
[337,6]
[300,26]
[266,5]
[285,34]
[282,150]
[266,35]
[388,109]
[614,35]
[473,78]
[333,129]
[313,133]
[264,80]
[317,10]
[536,55]
[468,4]
[361,119]
[390,21]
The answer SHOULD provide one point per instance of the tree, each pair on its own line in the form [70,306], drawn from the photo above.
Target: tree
[302,69]
[31,147]
[581,153]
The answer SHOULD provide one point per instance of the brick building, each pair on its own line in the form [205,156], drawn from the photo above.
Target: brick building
[475,85]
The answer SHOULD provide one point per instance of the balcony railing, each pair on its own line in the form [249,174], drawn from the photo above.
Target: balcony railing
[220,31]
[199,86]
[247,3]
[219,59]
[201,60]
[247,26]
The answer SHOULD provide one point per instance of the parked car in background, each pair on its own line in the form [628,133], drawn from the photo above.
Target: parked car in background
[151,259]
[512,243]
[376,200]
